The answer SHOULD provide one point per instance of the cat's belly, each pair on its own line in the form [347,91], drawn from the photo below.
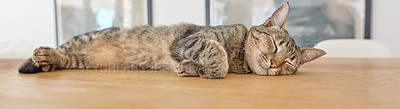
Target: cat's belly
[131,54]
[149,59]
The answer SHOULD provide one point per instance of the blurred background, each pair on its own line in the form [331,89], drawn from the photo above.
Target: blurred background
[28,24]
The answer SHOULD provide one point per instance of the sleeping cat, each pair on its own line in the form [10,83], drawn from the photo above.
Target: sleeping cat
[190,50]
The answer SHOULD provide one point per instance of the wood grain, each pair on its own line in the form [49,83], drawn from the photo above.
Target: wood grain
[325,83]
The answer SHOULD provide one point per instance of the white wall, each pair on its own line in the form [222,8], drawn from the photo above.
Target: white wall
[168,12]
[386,23]
[24,26]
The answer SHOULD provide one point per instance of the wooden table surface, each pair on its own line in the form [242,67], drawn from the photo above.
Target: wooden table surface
[322,84]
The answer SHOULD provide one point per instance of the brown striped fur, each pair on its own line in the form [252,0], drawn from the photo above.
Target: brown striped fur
[190,50]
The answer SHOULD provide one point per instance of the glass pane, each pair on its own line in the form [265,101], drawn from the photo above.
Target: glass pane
[80,16]
[309,21]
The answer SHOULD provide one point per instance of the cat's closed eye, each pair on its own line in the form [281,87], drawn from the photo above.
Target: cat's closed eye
[280,54]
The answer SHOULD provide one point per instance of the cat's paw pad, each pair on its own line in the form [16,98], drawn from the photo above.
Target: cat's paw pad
[48,68]
[45,57]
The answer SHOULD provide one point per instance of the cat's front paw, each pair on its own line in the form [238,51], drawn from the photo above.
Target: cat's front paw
[45,58]
[269,72]
[187,68]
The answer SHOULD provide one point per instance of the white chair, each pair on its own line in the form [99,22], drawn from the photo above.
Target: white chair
[355,48]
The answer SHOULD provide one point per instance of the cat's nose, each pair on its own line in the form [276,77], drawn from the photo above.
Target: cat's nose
[273,65]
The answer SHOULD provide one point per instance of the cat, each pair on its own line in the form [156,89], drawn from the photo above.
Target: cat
[190,50]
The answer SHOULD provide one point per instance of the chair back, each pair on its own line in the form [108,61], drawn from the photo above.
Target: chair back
[355,48]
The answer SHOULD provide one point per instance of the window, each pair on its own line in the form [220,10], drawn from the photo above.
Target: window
[309,21]
[80,16]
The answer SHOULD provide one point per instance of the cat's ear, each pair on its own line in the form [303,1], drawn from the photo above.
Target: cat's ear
[309,54]
[279,17]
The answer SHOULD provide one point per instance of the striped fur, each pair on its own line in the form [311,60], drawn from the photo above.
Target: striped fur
[152,48]
[190,50]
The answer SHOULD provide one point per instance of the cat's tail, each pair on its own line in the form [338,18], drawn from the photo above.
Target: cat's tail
[29,67]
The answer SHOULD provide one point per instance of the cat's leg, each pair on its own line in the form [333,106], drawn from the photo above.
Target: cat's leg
[44,59]
[213,60]
[209,56]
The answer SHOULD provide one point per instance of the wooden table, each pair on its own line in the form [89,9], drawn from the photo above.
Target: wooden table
[321,84]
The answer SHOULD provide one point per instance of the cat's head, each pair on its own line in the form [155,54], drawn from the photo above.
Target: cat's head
[270,50]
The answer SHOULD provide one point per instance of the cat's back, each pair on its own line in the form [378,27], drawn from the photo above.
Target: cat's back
[155,33]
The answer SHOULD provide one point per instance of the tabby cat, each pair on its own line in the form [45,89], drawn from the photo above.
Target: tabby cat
[190,50]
